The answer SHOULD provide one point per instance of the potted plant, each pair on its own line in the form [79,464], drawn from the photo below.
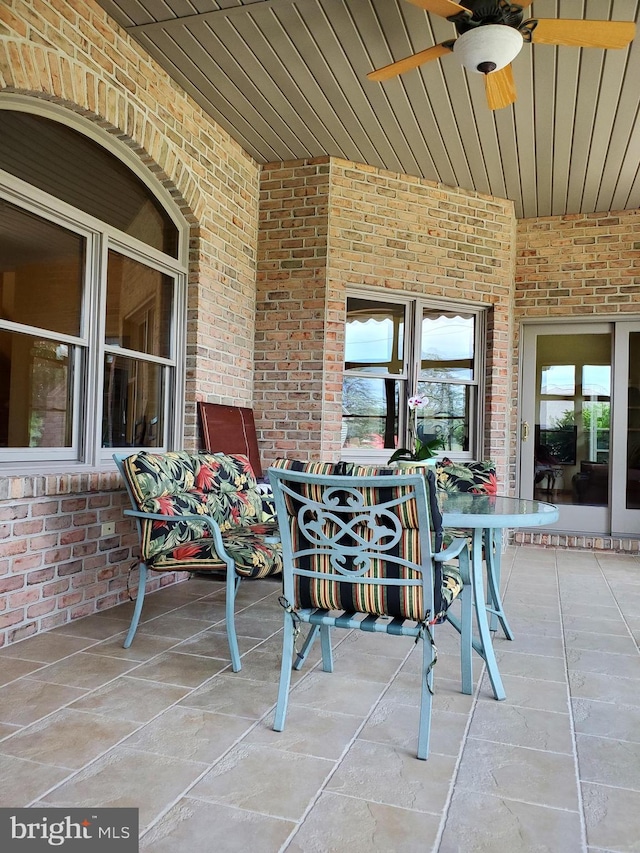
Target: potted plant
[420,451]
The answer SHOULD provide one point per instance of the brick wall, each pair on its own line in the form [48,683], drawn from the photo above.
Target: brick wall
[326,225]
[575,266]
[569,266]
[290,308]
[54,565]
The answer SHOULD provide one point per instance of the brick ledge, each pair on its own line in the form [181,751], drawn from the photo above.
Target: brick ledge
[14,487]
[578,541]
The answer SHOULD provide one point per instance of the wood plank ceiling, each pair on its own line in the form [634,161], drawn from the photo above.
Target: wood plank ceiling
[287,79]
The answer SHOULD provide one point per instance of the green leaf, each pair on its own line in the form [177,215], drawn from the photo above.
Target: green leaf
[401,453]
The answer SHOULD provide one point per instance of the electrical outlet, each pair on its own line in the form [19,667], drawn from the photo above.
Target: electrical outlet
[109,528]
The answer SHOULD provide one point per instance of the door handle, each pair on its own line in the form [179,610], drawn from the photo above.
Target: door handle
[524,431]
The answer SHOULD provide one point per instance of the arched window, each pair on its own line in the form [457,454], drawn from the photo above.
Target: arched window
[92,295]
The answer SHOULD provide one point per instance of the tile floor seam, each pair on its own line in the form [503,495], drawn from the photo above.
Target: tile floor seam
[589,684]
[470,789]
[345,751]
[517,745]
[255,724]
[185,792]
[76,771]
[456,769]
[574,743]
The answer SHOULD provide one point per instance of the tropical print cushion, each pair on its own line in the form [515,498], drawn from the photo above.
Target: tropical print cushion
[254,557]
[473,477]
[476,477]
[177,484]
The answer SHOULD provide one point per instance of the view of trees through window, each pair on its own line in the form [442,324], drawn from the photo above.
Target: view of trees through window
[390,356]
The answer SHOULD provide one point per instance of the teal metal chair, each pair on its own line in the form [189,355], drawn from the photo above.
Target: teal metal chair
[200,513]
[357,554]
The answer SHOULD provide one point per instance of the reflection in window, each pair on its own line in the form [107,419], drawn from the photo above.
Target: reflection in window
[374,336]
[133,403]
[88,351]
[139,302]
[74,168]
[558,380]
[446,416]
[35,392]
[447,345]
[42,272]
[448,376]
[371,412]
[389,358]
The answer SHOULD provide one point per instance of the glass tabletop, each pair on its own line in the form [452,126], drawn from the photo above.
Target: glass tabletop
[464,509]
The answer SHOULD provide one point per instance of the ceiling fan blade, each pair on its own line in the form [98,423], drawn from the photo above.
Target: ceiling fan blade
[500,88]
[444,8]
[410,62]
[605,34]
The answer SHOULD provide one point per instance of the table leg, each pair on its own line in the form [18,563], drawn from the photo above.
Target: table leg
[493,554]
[485,644]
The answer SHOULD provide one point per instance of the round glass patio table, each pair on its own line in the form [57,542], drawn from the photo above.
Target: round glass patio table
[485,517]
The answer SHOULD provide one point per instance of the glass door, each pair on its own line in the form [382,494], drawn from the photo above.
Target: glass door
[625,509]
[566,422]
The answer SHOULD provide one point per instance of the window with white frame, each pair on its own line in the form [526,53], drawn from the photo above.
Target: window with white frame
[397,348]
[91,300]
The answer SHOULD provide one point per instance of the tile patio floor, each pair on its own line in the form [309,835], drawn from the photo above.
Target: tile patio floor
[168,728]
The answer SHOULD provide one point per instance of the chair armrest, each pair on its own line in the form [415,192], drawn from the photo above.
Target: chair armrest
[168,519]
[452,550]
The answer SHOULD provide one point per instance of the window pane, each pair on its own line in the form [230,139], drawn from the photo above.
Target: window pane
[370,412]
[446,415]
[447,345]
[35,392]
[374,337]
[74,168]
[571,432]
[139,302]
[133,403]
[633,423]
[558,380]
[41,272]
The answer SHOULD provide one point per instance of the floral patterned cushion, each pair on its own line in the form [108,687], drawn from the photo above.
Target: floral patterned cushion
[254,557]
[178,483]
[476,477]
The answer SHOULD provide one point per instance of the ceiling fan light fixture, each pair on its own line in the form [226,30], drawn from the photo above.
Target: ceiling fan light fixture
[488,48]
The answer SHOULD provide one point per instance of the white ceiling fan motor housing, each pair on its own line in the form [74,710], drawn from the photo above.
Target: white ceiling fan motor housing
[488,48]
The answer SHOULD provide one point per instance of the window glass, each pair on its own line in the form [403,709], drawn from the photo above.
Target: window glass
[36,392]
[447,345]
[139,303]
[446,415]
[387,363]
[133,403]
[370,418]
[374,337]
[41,272]
[88,317]
[74,168]
[558,380]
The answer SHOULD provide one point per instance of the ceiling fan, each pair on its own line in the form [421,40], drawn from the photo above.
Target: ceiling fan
[491,34]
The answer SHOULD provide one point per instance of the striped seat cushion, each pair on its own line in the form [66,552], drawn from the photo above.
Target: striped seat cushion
[405,602]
